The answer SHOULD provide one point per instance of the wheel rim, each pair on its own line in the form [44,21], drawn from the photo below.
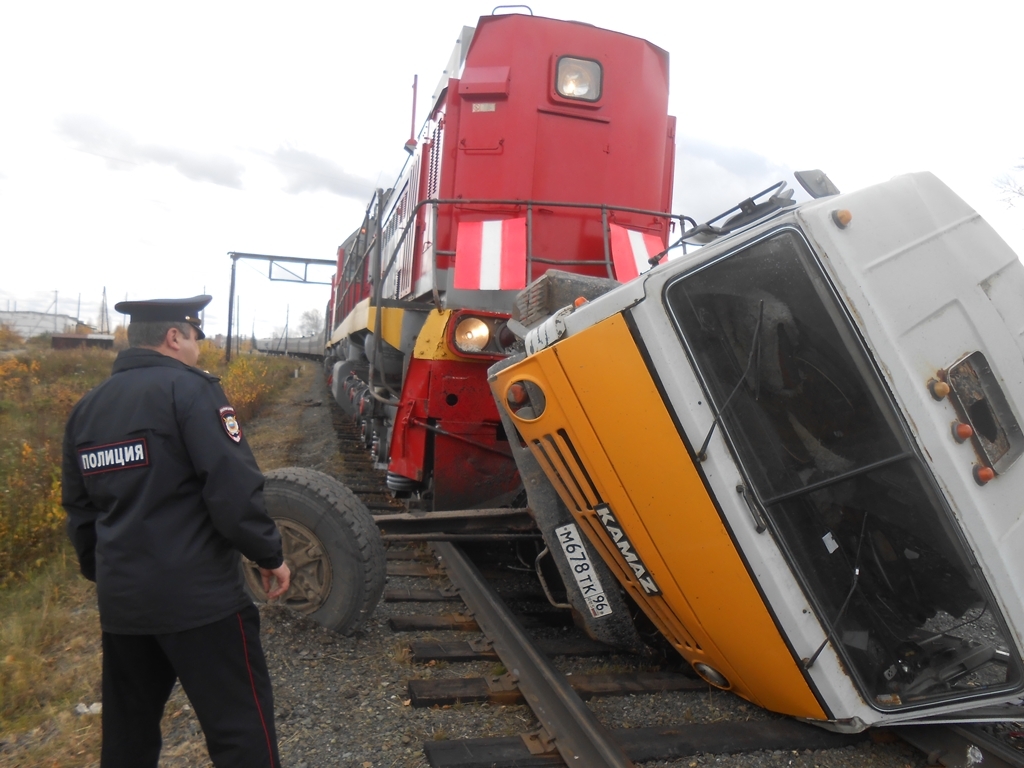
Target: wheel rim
[310,566]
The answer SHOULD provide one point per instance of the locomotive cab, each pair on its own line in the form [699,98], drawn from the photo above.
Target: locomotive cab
[796,450]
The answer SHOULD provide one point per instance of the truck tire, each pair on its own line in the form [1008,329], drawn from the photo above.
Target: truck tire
[331,545]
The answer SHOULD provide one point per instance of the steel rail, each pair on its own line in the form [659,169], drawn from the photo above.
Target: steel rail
[578,736]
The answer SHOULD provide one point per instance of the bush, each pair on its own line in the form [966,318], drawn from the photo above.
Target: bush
[41,341]
[9,338]
[211,358]
[37,392]
[252,380]
[31,517]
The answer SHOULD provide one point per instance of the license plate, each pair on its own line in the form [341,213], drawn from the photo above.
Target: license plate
[583,570]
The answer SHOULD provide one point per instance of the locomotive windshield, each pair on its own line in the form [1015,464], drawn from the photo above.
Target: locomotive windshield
[845,493]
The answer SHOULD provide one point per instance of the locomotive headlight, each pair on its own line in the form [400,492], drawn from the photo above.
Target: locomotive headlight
[472,335]
[578,79]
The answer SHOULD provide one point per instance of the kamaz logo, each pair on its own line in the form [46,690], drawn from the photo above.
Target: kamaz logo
[611,525]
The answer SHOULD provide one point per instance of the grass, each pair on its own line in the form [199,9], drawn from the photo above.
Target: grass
[49,662]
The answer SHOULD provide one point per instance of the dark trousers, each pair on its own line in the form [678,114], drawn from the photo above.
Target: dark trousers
[223,671]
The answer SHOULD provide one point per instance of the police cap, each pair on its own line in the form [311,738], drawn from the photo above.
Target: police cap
[167,310]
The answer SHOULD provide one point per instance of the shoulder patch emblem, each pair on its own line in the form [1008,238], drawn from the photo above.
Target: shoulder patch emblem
[126,454]
[230,422]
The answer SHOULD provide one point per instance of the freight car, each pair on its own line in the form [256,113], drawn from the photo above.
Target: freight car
[306,347]
[804,464]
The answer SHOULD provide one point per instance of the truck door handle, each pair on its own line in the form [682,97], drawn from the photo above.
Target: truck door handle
[755,511]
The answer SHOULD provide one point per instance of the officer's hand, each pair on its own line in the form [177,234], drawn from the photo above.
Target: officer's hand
[283,577]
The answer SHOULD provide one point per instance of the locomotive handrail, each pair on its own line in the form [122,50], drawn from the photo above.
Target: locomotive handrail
[361,255]
[518,203]
[376,286]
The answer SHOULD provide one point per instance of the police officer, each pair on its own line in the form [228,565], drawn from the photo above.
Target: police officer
[162,494]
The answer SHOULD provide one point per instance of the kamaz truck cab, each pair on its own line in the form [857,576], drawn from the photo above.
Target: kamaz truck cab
[796,450]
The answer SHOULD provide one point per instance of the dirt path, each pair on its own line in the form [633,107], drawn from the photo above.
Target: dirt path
[297,430]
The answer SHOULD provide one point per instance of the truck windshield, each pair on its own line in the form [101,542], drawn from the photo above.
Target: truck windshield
[845,493]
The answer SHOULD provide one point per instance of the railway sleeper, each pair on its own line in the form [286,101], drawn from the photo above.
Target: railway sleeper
[450,594]
[481,650]
[413,555]
[406,595]
[641,744]
[503,689]
[460,622]
[400,568]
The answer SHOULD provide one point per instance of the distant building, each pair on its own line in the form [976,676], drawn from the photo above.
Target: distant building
[29,324]
[79,340]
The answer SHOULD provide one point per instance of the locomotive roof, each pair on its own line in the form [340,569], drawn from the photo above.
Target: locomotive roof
[487,20]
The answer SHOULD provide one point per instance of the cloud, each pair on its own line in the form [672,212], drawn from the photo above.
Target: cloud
[711,178]
[122,151]
[306,172]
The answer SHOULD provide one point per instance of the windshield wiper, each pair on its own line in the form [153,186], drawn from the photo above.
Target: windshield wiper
[809,662]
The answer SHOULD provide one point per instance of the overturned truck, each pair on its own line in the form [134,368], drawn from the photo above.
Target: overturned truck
[796,451]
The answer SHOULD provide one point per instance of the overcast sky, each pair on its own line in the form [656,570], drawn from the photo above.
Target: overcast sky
[140,143]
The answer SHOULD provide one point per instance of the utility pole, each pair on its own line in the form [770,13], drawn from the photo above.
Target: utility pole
[104,320]
[231,313]
[287,309]
[54,311]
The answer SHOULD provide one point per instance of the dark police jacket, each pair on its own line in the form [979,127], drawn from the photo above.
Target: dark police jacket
[162,493]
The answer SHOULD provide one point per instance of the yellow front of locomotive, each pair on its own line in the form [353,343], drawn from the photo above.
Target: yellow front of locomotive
[735,435]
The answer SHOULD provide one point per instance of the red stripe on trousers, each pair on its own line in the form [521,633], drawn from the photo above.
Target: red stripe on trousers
[252,682]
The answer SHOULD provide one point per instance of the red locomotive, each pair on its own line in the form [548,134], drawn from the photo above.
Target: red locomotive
[548,146]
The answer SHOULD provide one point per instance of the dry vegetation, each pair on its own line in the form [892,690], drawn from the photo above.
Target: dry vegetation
[9,338]
[37,391]
[49,645]
[49,633]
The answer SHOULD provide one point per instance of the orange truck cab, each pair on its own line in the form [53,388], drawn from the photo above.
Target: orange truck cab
[796,450]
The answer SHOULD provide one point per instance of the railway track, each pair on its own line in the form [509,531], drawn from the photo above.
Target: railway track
[474,601]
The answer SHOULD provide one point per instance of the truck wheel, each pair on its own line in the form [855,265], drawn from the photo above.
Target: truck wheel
[331,545]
